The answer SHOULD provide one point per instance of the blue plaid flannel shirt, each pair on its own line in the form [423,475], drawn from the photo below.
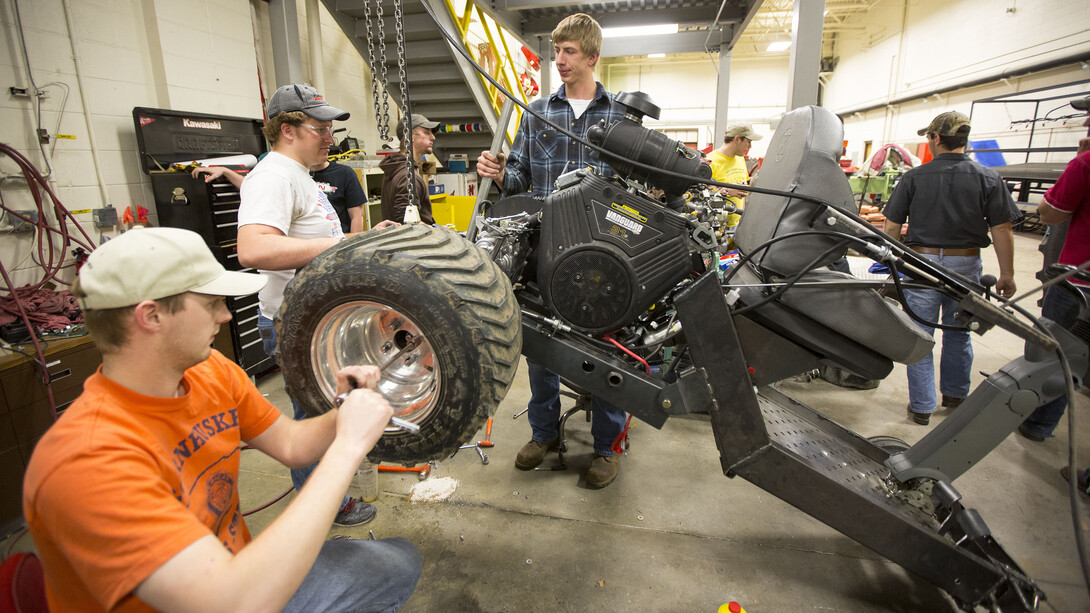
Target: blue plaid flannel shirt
[540,153]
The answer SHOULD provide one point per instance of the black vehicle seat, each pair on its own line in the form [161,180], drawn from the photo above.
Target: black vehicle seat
[803,158]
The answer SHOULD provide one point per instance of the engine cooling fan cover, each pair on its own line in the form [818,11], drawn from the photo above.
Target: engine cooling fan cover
[592,288]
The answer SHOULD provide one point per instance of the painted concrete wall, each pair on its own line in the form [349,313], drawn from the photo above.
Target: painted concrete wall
[199,55]
[204,55]
[899,48]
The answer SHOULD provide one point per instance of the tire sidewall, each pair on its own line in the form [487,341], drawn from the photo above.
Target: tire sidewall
[430,303]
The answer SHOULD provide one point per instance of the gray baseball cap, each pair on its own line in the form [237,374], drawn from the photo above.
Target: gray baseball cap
[1082,104]
[418,121]
[303,98]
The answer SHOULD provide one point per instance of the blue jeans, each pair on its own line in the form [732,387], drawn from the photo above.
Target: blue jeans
[957,348]
[353,576]
[1062,308]
[607,421]
[268,342]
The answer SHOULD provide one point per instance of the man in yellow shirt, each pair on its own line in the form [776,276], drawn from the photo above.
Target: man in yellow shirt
[729,163]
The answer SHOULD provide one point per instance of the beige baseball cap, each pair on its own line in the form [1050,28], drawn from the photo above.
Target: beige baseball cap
[741,128]
[153,263]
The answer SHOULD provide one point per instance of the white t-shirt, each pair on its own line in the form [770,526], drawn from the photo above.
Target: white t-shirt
[578,106]
[279,192]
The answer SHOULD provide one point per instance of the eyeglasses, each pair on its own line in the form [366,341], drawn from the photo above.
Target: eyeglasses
[322,132]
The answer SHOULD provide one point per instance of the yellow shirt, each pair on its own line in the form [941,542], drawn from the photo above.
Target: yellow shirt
[730,170]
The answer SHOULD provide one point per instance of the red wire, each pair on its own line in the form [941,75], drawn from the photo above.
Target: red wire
[625,349]
[623,436]
[34,338]
[36,183]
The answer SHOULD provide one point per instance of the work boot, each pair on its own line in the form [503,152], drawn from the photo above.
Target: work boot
[922,419]
[1026,433]
[355,513]
[951,402]
[533,453]
[603,470]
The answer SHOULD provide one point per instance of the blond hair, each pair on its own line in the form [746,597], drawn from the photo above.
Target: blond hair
[580,28]
[271,129]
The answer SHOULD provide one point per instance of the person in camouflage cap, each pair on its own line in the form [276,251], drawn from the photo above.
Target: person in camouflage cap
[953,203]
[950,123]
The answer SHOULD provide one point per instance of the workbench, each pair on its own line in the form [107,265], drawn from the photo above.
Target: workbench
[1025,180]
[24,406]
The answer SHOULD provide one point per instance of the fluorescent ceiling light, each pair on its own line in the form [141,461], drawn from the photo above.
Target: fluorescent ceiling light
[656,55]
[665,28]
[780,45]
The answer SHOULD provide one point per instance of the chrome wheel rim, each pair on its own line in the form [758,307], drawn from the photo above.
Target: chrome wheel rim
[368,333]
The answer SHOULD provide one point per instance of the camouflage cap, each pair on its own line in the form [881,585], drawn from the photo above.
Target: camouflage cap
[950,123]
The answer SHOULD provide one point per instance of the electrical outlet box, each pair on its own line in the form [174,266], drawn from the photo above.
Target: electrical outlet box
[19,225]
[105,217]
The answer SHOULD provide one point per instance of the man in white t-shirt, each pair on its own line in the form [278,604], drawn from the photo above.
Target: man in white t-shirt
[284,221]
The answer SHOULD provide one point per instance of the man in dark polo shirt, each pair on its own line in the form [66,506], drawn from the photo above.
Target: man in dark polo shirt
[952,203]
[341,185]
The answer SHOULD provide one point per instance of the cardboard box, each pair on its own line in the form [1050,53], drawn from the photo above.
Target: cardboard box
[460,184]
[458,163]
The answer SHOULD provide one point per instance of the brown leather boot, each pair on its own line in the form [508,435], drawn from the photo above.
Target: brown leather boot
[533,453]
[603,470]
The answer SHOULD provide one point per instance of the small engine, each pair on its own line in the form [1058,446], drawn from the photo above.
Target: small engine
[606,251]
[606,255]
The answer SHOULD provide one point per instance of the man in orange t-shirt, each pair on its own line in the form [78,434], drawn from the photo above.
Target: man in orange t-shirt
[132,496]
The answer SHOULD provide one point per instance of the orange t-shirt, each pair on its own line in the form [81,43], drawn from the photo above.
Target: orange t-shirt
[123,482]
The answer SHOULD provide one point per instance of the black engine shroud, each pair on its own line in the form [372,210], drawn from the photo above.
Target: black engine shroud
[606,255]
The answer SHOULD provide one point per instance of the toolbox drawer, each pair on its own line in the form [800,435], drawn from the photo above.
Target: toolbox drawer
[24,408]
[67,369]
[11,484]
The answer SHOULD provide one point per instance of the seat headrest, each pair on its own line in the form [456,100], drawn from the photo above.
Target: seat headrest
[803,157]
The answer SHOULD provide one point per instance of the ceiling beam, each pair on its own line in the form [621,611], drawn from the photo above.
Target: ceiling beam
[682,42]
[736,35]
[543,26]
[522,5]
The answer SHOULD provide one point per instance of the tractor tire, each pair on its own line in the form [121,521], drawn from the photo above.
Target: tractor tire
[424,304]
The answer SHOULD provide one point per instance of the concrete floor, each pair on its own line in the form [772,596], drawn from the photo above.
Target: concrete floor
[674,534]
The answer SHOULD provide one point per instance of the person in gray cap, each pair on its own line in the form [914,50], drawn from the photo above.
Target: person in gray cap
[729,163]
[285,220]
[132,496]
[951,204]
[395,180]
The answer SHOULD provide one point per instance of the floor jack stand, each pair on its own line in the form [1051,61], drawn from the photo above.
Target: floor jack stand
[582,403]
[487,442]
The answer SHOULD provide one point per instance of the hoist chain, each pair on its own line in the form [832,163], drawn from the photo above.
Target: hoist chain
[406,115]
[378,70]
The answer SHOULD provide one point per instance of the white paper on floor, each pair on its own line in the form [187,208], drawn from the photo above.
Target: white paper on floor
[433,490]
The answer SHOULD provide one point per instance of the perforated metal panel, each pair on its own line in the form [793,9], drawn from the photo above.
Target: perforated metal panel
[797,435]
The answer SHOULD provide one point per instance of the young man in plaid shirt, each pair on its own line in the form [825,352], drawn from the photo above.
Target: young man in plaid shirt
[538,156]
